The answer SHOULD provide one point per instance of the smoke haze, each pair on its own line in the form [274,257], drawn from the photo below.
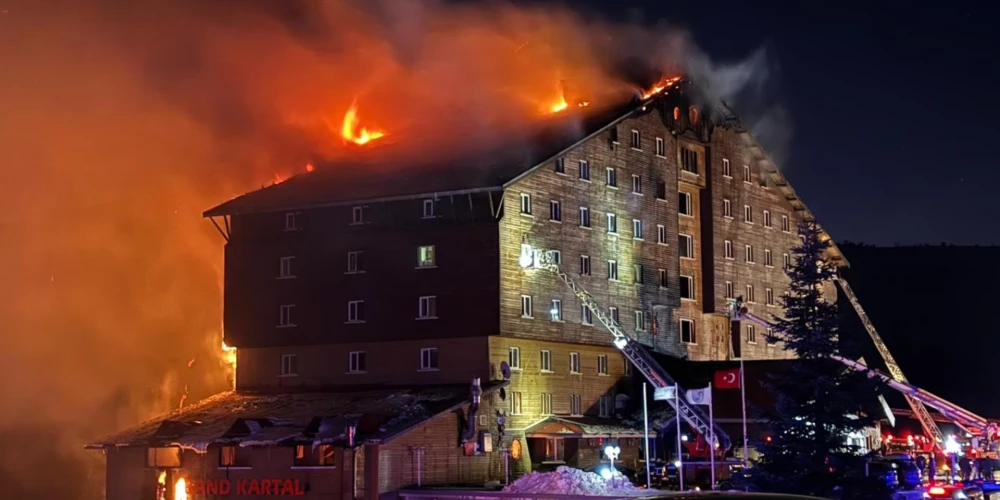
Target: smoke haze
[121,121]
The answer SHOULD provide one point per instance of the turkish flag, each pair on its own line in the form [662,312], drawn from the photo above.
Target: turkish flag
[727,379]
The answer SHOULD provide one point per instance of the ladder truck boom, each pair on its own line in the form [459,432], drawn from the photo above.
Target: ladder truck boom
[534,258]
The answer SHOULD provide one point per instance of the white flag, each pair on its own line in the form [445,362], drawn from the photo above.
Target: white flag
[700,396]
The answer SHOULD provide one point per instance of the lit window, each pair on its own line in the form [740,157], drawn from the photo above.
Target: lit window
[285,268]
[428,209]
[355,262]
[661,234]
[356,311]
[426,256]
[729,249]
[429,358]
[636,184]
[584,217]
[514,358]
[289,365]
[555,211]
[747,214]
[556,312]
[751,334]
[574,362]
[636,140]
[661,149]
[637,229]
[686,245]
[525,203]
[526,311]
[726,170]
[602,364]
[687,287]
[291,221]
[584,170]
[688,335]
[612,177]
[357,215]
[727,209]
[357,362]
[613,270]
[546,360]
[585,265]
[285,315]
[612,223]
[684,204]
[427,307]
[586,315]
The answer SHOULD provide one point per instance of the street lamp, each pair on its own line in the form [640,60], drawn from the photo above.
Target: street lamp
[612,453]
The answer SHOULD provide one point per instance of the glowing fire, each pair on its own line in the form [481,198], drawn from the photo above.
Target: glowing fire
[229,358]
[310,167]
[560,105]
[352,131]
[180,489]
[660,87]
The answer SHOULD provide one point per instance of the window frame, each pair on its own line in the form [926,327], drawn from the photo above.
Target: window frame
[354,310]
[427,307]
[686,196]
[526,204]
[575,368]
[556,314]
[285,313]
[429,359]
[685,242]
[289,365]
[527,307]
[727,169]
[555,211]
[545,361]
[692,333]
[357,362]
[691,286]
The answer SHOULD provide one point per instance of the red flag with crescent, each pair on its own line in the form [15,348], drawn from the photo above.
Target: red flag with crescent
[727,379]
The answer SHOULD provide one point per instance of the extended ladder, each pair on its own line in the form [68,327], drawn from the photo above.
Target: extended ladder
[635,352]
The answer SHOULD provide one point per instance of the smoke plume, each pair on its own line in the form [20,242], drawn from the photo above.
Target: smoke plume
[122,121]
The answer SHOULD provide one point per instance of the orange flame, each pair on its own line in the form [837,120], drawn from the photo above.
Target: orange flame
[352,131]
[229,359]
[180,490]
[310,167]
[661,86]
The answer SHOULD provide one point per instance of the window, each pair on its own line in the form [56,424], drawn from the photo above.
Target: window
[729,249]
[636,140]
[604,406]
[688,335]
[769,337]
[357,215]
[661,150]
[586,315]
[636,184]
[515,403]
[574,362]
[356,311]
[514,358]
[546,360]
[612,223]
[684,204]
[767,258]
[686,245]
[769,296]
[285,315]
[429,358]
[426,256]
[729,289]
[627,368]
[662,274]
[555,450]
[612,177]
[636,229]
[285,268]
[661,190]
[750,296]
[746,174]
[545,403]
[291,221]
[427,307]
[661,234]
[751,334]
[575,404]
[557,257]
[784,223]
[767,218]
[560,165]
[289,365]
[613,312]
[585,265]
[235,456]
[687,287]
[726,170]
[747,214]
[526,306]
[314,456]
[613,270]
[727,209]
[525,203]
[556,312]
[357,362]
[638,271]
[748,254]
[166,457]
[355,262]
[786,261]
[689,160]
[428,209]
[640,321]
[584,217]
[584,170]
[555,211]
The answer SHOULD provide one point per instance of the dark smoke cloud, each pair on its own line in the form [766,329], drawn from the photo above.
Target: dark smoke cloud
[122,121]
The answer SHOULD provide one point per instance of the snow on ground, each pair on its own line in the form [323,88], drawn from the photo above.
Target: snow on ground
[570,481]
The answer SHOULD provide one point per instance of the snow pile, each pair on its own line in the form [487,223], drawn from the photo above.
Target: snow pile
[570,481]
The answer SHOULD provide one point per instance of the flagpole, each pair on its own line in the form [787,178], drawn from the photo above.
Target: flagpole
[743,397]
[645,416]
[711,431]
[680,456]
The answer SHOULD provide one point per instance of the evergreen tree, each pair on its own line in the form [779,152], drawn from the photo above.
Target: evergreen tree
[819,400]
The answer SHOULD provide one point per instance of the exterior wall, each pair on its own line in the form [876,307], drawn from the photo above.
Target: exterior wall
[459,361]
[531,382]
[544,185]
[464,279]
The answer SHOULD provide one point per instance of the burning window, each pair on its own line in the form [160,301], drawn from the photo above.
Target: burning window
[356,311]
[314,456]
[560,165]
[636,140]
[688,335]
[355,262]
[687,287]
[234,456]
[684,204]
[165,457]
[661,149]
[613,270]
[426,256]
[584,217]
[584,170]
[526,309]
[686,244]
[525,203]
[427,307]
[285,268]
[677,114]
[612,177]
[689,160]
[429,358]
[289,365]
[574,362]
[285,315]
[693,115]
[357,362]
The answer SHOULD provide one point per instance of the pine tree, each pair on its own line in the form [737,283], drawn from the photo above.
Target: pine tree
[819,400]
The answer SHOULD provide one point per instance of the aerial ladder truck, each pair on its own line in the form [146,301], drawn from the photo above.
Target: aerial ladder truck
[534,258]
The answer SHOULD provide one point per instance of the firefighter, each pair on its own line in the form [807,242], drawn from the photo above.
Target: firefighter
[931,468]
[965,465]
[921,464]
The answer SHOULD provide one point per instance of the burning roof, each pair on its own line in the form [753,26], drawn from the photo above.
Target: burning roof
[234,418]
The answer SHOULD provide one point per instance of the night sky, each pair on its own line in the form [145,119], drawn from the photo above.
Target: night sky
[893,108]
